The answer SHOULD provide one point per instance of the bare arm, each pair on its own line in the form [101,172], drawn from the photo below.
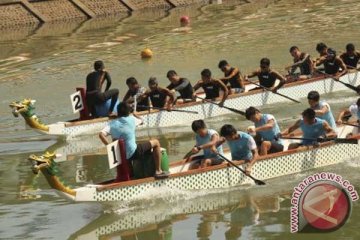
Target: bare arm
[225,90]
[281,78]
[103,138]
[343,67]
[170,95]
[269,125]
[330,133]
[233,73]
[295,126]
[342,114]
[251,75]
[322,111]
[197,85]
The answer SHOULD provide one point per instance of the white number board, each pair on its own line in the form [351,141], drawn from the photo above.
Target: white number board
[76,102]
[113,151]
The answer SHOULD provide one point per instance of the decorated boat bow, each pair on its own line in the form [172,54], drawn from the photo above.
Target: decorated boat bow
[46,164]
[26,108]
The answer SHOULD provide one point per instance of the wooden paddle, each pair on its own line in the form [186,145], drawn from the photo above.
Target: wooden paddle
[172,110]
[228,108]
[336,140]
[349,124]
[269,90]
[357,90]
[257,181]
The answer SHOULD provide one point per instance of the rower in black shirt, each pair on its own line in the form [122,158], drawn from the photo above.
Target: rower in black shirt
[160,97]
[232,76]
[351,57]
[94,82]
[181,85]
[211,87]
[267,77]
[302,61]
[134,95]
[332,63]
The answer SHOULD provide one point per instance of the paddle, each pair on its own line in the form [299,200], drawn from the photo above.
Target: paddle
[228,108]
[267,89]
[349,124]
[172,110]
[336,140]
[357,90]
[257,181]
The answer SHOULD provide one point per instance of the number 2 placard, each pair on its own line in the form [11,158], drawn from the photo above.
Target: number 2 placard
[76,102]
[113,151]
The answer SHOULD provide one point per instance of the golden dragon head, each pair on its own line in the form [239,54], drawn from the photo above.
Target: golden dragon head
[24,107]
[41,162]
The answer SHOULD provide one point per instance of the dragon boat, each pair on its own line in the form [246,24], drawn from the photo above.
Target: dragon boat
[214,177]
[156,118]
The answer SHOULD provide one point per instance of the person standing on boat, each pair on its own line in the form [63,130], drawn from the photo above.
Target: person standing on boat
[181,85]
[312,128]
[322,109]
[332,64]
[267,77]
[94,82]
[267,129]
[134,93]
[160,97]
[353,110]
[206,140]
[211,87]
[232,76]
[123,127]
[242,146]
[351,57]
[302,61]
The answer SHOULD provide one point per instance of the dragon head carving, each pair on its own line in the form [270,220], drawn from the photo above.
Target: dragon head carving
[24,107]
[43,161]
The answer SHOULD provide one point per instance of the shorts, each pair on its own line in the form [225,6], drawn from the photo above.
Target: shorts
[141,149]
[275,146]
[214,161]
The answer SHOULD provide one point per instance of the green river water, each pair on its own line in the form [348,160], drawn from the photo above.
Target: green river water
[48,62]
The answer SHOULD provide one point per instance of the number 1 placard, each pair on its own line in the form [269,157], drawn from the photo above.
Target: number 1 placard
[113,151]
[76,102]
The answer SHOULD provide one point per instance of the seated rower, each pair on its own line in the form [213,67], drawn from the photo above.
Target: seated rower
[123,127]
[232,76]
[181,85]
[312,129]
[211,87]
[302,61]
[242,146]
[132,96]
[322,109]
[332,63]
[94,82]
[206,140]
[351,57]
[267,129]
[321,48]
[353,110]
[267,77]
[160,97]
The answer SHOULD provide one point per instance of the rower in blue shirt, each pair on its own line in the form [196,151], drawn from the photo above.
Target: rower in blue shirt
[124,128]
[206,140]
[312,129]
[267,128]
[353,110]
[242,146]
[322,109]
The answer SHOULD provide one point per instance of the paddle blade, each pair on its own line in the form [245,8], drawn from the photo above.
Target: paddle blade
[259,182]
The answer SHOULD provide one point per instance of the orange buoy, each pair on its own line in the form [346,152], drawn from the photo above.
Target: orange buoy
[146,53]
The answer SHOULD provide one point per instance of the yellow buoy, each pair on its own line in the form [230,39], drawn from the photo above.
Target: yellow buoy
[146,53]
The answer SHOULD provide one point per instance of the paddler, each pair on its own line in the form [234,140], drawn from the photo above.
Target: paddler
[353,110]
[267,77]
[232,76]
[212,87]
[333,64]
[266,129]
[302,61]
[134,95]
[181,85]
[123,127]
[351,57]
[312,128]
[94,82]
[159,97]
[242,146]
[322,109]
[206,140]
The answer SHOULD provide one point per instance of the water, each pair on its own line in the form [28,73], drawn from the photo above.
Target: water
[49,62]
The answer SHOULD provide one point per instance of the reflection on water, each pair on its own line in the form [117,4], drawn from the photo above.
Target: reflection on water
[47,63]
